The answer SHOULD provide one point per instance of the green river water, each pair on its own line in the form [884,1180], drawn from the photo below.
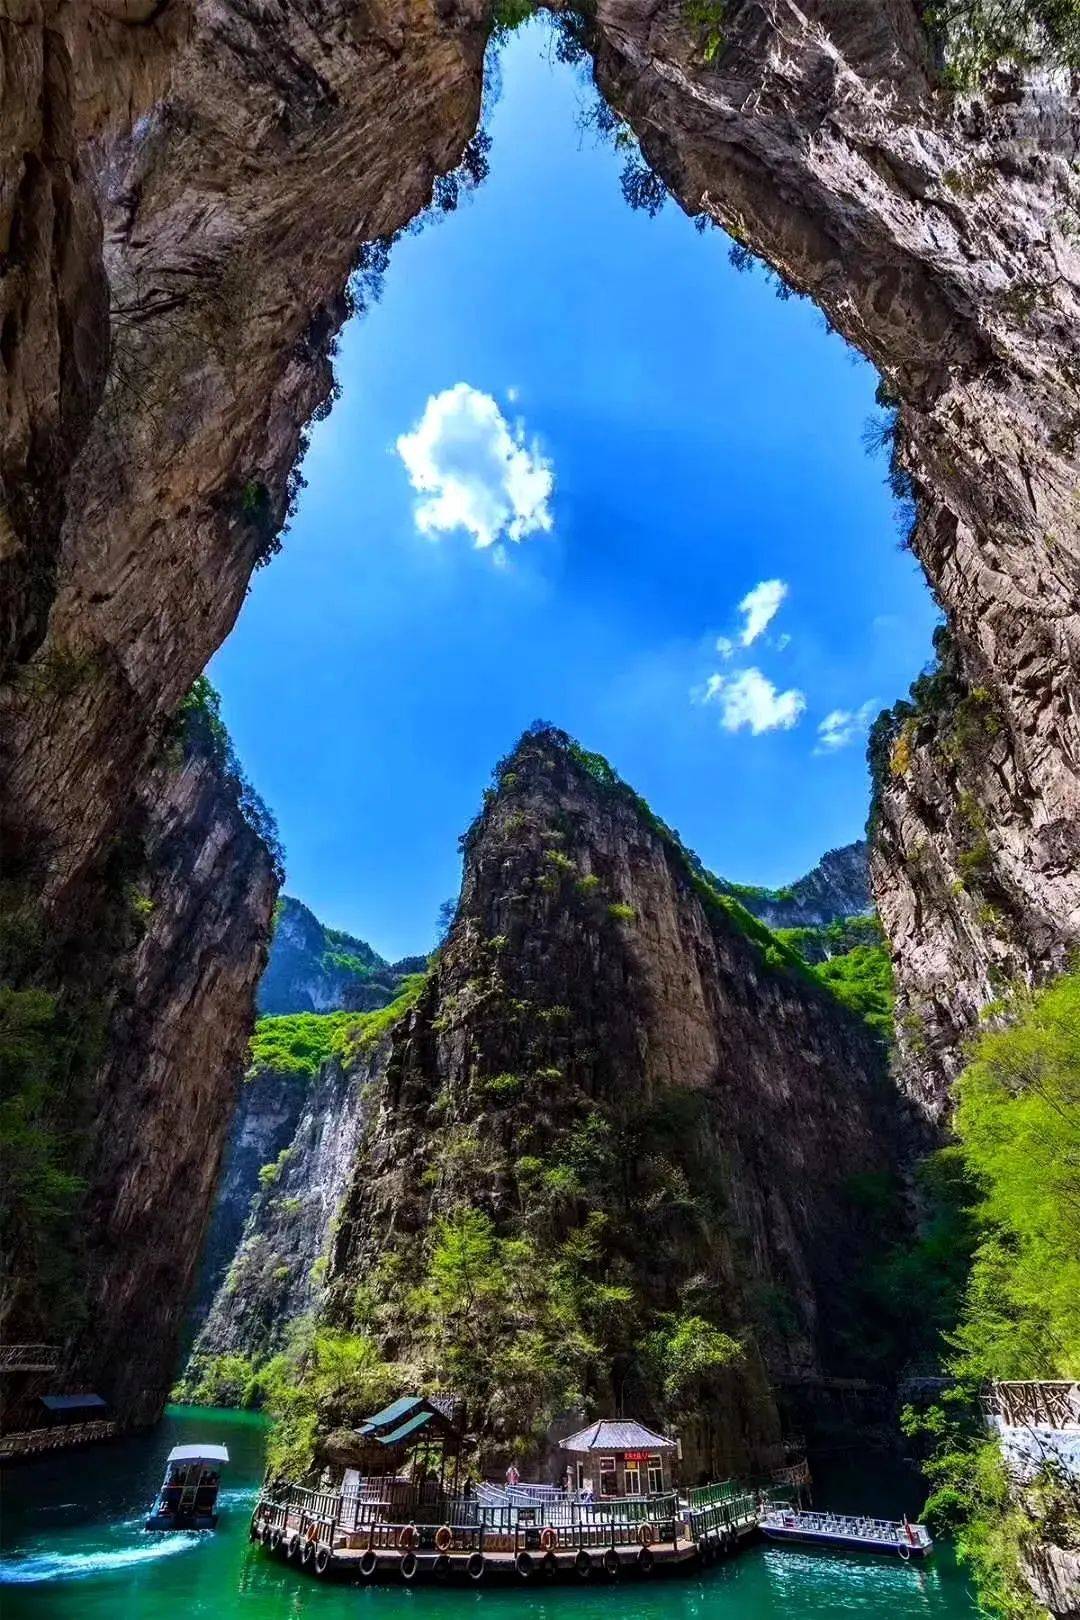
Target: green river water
[73,1546]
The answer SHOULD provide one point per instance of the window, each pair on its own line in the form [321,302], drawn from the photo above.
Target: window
[632,1475]
[656,1475]
[609,1480]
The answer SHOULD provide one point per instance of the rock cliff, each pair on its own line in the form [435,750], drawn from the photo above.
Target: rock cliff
[837,888]
[313,968]
[616,1091]
[276,1275]
[164,970]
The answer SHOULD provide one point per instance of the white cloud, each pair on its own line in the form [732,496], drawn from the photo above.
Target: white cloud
[473,471]
[513,393]
[782,641]
[759,607]
[842,727]
[725,646]
[749,701]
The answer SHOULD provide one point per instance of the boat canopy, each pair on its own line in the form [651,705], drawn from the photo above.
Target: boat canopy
[617,1434]
[203,1453]
[73,1403]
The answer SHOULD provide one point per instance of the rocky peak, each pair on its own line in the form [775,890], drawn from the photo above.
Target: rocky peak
[838,887]
[613,1062]
[313,968]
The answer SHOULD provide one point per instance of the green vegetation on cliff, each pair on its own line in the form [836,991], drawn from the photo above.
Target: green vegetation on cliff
[976,37]
[295,1045]
[1018,1132]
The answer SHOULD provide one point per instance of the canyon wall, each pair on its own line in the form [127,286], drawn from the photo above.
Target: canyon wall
[276,1275]
[607,1086]
[153,991]
[837,888]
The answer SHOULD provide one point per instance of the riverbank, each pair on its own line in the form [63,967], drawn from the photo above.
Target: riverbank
[74,1549]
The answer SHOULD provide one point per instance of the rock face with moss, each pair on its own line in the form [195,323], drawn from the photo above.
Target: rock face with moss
[838,887]
[975,880]
[611,1159]
[277,1273]
[167,965]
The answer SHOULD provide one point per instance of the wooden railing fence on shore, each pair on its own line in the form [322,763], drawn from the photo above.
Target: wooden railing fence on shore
[1034,1403]
[29,1358]
[29,1442]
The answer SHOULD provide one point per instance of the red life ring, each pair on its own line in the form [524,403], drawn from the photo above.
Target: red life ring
[406,1538]
[444,1538]
[549,1539]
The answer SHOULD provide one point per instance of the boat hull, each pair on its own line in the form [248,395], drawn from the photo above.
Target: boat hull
[842,1543]
[182,1521]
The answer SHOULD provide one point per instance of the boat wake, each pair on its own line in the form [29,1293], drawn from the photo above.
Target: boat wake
[71,1566]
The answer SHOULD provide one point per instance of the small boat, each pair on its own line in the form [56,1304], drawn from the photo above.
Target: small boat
[848,1531]
[187,1499]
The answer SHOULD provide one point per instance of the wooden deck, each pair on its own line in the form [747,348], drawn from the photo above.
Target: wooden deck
[332,1536]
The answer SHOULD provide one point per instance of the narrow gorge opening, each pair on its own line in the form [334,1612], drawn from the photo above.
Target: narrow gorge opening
[588,461]
[689,438]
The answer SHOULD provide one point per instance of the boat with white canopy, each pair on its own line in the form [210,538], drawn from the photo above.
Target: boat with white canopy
[187,1499]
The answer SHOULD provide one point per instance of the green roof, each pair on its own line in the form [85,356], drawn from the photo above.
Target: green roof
[393,1413]
[397,1435]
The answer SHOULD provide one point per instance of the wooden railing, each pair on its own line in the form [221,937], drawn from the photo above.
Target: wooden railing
[29,1357]
[476,1525]
[29,1442]
[1035,1404]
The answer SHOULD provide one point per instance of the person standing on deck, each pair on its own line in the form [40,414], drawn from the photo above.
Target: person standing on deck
[512,1475]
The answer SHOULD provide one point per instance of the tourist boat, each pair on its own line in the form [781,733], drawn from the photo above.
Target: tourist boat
[848,1531]
[187,1499]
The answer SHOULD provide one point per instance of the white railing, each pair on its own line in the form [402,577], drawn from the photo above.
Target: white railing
[848,1524]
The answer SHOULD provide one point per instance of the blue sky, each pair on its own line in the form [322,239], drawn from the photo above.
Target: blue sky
[571,441]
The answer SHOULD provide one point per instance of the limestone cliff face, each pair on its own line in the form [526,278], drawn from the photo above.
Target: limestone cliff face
[966,912]
[167,1090]
[173,986]
[264,1122]
[277,1274]
[589,994]
[837,888]
[313,968]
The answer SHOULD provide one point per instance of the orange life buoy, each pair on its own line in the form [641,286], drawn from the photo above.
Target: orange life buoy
[444,1538]
[646,1534]
[548,1539]
[407,1538]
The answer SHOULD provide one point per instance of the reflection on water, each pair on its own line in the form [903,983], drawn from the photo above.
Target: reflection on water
[75,1549]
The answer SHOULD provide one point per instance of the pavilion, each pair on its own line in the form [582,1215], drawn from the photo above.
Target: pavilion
[621,1457]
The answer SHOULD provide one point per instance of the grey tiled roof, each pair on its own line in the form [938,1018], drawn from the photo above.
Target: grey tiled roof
[616,1434]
